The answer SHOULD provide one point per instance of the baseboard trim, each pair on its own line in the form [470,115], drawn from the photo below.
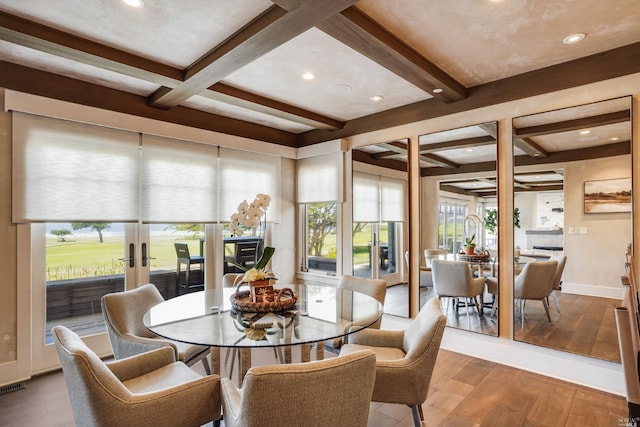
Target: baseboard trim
[616,292]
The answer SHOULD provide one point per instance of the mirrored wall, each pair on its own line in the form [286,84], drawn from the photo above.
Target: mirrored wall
[572,187]
[457,209]
[380,219]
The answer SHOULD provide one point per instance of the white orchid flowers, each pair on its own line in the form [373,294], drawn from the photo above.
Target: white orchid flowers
[249,216]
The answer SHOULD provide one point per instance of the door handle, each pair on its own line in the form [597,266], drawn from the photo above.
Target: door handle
[132,256]
[145,258]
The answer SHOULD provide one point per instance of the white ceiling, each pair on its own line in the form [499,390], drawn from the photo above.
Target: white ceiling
[474,42]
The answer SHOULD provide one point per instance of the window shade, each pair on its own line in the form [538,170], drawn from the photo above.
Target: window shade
[320,178]
[68,171]
[366,197]
[179,181]
[244,175]
[392,193]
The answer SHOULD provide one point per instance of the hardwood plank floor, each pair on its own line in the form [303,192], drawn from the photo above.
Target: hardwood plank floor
[465,391]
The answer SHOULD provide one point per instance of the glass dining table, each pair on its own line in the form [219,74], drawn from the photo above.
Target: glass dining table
[207,318]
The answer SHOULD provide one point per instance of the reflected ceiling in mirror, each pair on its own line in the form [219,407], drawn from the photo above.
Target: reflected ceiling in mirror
[556,153]
[458,170]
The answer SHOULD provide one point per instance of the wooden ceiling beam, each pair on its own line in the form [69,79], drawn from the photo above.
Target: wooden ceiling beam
[530,147]
[475,141]
[361,33]
[575,124]
[268,31]
[39,37]
[438,161]
[600,151]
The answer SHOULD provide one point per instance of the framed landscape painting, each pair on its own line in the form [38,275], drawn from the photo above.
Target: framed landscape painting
[607,196]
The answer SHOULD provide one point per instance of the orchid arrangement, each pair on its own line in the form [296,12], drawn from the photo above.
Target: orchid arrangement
[249,216]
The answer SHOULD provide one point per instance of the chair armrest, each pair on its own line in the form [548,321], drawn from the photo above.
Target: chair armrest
[140,364]
[377,337]
[231,398]
[136,344]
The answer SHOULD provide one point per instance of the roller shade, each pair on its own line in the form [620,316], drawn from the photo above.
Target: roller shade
[320,178]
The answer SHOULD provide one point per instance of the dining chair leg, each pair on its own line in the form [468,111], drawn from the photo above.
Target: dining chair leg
[205,363]
[545,304]
[555,300]
[416,416]
[466,307]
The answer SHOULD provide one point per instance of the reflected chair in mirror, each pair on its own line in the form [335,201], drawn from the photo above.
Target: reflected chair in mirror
[557,278]
[332,392]
[375,288]
[492,289]
[182,252]
[431,254]
[123,313]
[454,279]
[404,358]
[535,282]
[425,280]
[149,389]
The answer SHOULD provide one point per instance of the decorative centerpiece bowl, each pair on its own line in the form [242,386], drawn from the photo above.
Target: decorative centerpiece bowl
[262,297]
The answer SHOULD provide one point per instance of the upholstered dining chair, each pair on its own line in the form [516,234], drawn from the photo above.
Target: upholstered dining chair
[123,313]
[404,358]
[557,278]
[331,392]
[454,279]
[431,254]
[149,389]
[375,288]
[535,282]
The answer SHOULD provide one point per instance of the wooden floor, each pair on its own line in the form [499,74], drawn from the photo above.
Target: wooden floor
[585,325]
[465,391]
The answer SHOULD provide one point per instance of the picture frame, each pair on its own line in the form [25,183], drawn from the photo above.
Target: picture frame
[607,196]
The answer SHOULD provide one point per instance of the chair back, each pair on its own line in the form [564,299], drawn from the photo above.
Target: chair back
[535,281]
[90,383]
[557,278]
[431,254]
[455,279]
[182,252]
[375,288]
[335,392]
[123,313]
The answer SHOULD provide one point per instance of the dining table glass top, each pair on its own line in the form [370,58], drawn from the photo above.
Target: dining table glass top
[207,318]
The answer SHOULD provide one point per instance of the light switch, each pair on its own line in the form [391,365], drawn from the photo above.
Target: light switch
[583,230]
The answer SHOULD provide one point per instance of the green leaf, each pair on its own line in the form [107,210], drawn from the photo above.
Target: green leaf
[266,256]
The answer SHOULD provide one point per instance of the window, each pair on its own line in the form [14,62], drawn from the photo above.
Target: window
[451,226]
[321,221]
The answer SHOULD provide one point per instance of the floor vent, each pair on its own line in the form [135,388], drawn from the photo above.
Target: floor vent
[13,387]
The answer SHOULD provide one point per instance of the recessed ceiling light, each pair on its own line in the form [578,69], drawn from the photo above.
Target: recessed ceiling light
[134,3]
[585,132]
[438,90]
[377,98]
[615,138]
[468,150]
[308,76]
[574,38]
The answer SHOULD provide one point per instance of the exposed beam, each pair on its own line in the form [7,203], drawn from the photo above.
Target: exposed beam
[39,37]
[358,31]
[575,124]
[251,101]
[265,33]
[602,66]
[363,157]
[438,161]
[530,147]
[609,150]
[476,141]
[36,82]
[462,168]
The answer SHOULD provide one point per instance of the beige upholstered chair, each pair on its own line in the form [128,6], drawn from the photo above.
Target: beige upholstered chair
[404,359]
[535,282]
[425,281]
[332,392]
[454,279]
[149,389]
[557,279]
[123,313]
[431,254]
[375,288]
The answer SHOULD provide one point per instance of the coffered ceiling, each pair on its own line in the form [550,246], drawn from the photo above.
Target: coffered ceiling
[236,67]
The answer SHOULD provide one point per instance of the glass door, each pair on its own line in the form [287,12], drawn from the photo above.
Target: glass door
[377,251]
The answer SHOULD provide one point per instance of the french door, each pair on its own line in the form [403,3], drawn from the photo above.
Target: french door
[377,251]
[73,265]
